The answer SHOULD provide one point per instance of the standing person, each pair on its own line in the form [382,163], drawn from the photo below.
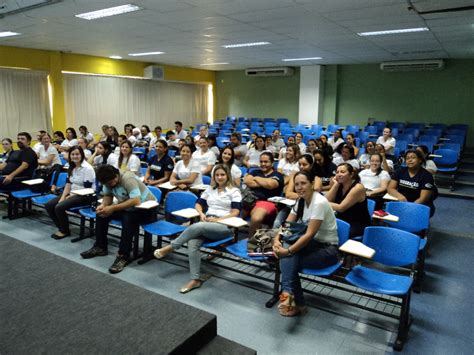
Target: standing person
[84,133]
[161,165]
[103,155]
[387,141]
[7,145]
[80,175]
[316,248]
[20,164]
[413,183]
[252,158]
[205,157]
[336,139]
[221,200]
[130,192]
[239,149]
[324,168]
[348,199]
[227,159]
[264,183]
[364,159]
[186,172]
[69,142]
[128,161]
[180,132]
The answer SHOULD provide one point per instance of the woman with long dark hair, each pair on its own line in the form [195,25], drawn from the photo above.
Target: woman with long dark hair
[128,161]
[80,175]
[324,168]
[103,154]
[227,158]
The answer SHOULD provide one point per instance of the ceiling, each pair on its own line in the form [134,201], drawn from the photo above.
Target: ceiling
[192,32]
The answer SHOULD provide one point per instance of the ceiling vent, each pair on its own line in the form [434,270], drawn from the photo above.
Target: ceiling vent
[280,71]
[413,65]
[154,72]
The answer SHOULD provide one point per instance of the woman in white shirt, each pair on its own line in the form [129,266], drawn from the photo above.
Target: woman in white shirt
[316,248]
[252,158]
[220,201]
[227,158]
[103,155]
[205,157]
[387,164]
[80,175]
[375,179]
[48,163]
[186,172]
[428,164]
[291,140]
[69,142]
[289,165]
[387,141]
[346,156]
[336,140]
[364,159]
[299,141]
[128,161]
[84,133]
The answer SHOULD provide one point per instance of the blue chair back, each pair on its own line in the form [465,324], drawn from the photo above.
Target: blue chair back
[406,137]
[343,229]
[371,129]
[61,180]
[178,200]
[206,180]
[243,170]
[429,144]
[172,153]
[402,145]
[414,217]
[156,192]
[426,138]
[453,146]
[393,247]
[455,139]
[370,206]
[143,170]
[448,157]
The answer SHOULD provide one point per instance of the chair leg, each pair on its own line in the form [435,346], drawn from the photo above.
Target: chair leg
[419,272]
[82,228]
[404,323]
[147,249]
[276,287]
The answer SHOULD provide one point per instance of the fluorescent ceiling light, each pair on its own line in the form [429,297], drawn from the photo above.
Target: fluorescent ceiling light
[223,63]
[9,34]
[245,44]
[111,11]
[145,53]
[389,32]
[115,57]
[299,59]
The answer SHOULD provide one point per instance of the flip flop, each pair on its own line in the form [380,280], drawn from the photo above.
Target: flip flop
[157,254]
[189,289]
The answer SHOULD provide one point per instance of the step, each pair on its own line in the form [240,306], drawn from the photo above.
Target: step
[220,345]
[466,170]
[464,192]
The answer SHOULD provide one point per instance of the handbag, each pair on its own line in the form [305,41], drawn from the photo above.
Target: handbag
[248,199]
[291,231]
[261,243]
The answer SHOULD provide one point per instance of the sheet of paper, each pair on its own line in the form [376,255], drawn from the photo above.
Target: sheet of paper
[282,200]
[357,248]
[147,205]
[84,192]
[186,213]
[236,222]
[167,186]
[202,187]
[389,217]
[389,197]
[33,182]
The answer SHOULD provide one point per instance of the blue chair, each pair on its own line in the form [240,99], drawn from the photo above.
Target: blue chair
[406,137]
[343,236]
[455,139]
[139,152]
[371,130]
[453,146]
[429,144]
[402,145]
[43,199]
[206,180]
[393,248]
[447,165]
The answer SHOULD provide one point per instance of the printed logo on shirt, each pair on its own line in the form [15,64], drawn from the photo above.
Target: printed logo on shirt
[409,184]
[428,185]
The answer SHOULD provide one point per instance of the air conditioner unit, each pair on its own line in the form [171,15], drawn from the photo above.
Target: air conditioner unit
[413,65]
[154,72]
[280,71]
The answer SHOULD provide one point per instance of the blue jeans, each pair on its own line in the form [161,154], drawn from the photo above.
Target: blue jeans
[314,255]
[195,235]
[281,217]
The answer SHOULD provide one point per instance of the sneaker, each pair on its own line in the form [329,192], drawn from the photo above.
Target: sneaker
[119,264]
[93,252]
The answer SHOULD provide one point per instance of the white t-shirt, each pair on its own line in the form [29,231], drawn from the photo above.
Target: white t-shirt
[430,165]
[352,162]
[221,203]
[371,181]
[183,172]
[335,144]
[235,172]
[69,143]
[112,159]
[254,156]
[242,149]
[302,147]
[288,168]
[89,136]
[132,139]
[155,139]
[43,154]
[204,159]
[36,147]
[181,135]
[133,164]
[388,144]
[364,159]
[321,210]
[82,174]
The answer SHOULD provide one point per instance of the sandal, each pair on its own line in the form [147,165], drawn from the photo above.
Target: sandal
[288,307]
[187,289]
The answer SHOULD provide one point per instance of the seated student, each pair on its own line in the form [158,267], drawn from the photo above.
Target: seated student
[351,142]
[239,149]
[213,145]
[429,164]
[252,158]
[180,132]
[364,159]
[291,140]
[158,135]
[37,146]
[264,183]
[145,137]
[81,175]
[186,172]
[84,133]
[128,161]
[130,192]
[172,141]
[413,183]
[346,156]
[112,138]
[161,165]
[277,142]
[48,163]
[269,146]
[20,164]
[316,248]
[387,164]
[190,141]
[69,142]
[58,137]
[312,146]
[300,143]
[387,141]
[105,132]
[221,200]
[251,142]
[226,158]
[289,164]
[7,145]
[121,138]
[84,144]
[323,144]
[336,139]
[305,163]
[375,180]
[103,155]
[324,168]
[203,133]
[348,199]
[128,130]
[204,157]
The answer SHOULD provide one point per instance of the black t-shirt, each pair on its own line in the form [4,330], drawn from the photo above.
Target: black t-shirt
[325,172]
[265,194]
[411,187]
[159,167]
[17,157]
